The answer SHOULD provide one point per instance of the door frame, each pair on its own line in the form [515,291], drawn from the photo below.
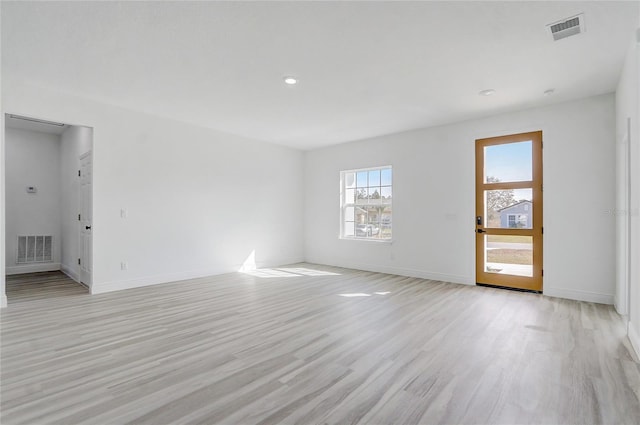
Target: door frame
[82,222]
[3,114]
[3,174]
[534,283]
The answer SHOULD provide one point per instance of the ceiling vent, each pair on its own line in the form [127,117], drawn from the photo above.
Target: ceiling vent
[567,27]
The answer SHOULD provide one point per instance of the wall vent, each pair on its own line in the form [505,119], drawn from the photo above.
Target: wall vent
[34,249]
[567,27]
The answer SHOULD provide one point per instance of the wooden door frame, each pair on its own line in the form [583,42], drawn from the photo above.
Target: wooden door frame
[533,283]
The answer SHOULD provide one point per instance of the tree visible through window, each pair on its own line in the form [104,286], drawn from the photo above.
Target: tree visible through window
[366,197]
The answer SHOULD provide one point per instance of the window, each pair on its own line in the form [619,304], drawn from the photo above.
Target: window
[366,203]
[517,221]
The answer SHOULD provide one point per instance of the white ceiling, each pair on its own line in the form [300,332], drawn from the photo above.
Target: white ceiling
[365,68]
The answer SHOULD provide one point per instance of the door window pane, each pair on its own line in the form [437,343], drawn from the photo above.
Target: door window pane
[508,209]
[511,162]
[511,255]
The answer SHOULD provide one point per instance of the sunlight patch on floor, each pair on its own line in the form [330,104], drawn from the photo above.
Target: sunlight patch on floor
[308,272]
[249,267]
[362,294]
[265,273]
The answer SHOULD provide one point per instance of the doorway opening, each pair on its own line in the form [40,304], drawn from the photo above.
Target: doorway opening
[48,205]
[509,226]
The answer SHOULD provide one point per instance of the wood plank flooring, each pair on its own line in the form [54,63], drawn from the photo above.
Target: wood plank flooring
[41,286]
[309,344]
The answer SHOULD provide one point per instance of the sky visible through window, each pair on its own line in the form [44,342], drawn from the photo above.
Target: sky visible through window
[510,162]
[375,178]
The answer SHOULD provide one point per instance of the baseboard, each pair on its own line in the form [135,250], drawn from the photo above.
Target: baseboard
[571,294]
[33,268]
[621,309]
[118,285]
[634,337]
[400,271]
[577,295]
[73,274]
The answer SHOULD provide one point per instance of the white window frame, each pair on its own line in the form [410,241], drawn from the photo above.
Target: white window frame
[515,221]
[344,204]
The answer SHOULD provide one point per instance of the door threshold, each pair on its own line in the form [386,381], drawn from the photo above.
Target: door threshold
[486,285]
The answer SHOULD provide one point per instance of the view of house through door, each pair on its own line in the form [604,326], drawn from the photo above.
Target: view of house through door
[509,211]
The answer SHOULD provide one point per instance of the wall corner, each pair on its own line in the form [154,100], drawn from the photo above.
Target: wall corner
[634,338]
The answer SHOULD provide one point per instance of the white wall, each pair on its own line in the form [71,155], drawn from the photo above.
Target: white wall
[3,296]
[627,106]
[433,205]
[75,141]
[199,202]
[33,159]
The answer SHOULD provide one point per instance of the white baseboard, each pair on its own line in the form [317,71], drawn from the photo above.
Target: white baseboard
[69,271]
[571,294]
[634,337]
[577,295]
[616,305]
[117,285]
[400,271]
[33,268]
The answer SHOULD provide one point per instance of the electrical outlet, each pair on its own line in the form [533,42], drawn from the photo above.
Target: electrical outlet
[124,265]
[124,213]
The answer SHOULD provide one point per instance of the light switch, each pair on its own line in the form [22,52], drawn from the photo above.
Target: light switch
[32,189]
[124,213]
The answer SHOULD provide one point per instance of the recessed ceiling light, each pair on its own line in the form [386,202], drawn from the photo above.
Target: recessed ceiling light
[549,92]
[290,80]
[487,92]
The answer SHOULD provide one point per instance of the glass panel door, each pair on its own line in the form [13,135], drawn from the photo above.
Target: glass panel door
[509,211]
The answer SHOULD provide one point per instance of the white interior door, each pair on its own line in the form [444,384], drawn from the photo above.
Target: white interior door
[85,257]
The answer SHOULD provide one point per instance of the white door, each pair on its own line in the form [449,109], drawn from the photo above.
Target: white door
[85,257]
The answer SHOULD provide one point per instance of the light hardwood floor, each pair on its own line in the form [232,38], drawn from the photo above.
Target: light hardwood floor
[307,344]
[41,286]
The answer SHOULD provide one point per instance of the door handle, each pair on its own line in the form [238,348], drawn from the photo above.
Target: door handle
[87,227]
[481,231]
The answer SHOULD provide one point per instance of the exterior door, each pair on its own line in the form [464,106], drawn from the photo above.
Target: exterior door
[509,211]
[85,257]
